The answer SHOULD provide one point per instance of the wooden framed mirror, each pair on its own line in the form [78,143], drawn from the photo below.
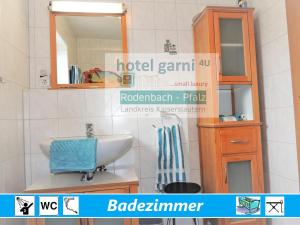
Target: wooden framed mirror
[85,48]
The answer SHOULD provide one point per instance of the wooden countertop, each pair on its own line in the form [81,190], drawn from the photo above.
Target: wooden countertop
[66,183]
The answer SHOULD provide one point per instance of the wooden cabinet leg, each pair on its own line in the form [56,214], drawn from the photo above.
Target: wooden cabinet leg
[91,221]
[31,222]
[135,221]
[85,222]
[133,189]
[36,222]
[127,221]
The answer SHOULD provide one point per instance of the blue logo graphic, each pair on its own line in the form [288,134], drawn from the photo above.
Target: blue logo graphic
[248,205]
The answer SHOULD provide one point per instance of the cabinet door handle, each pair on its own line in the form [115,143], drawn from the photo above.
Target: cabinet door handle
[220,63]
[226,175]
[239,141]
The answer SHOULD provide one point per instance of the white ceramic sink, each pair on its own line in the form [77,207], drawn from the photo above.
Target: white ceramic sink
[109,147]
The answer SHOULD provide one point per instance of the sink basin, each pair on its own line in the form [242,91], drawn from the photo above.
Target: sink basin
[109,147]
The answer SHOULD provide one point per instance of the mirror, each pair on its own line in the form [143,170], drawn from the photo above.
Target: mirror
[82,47]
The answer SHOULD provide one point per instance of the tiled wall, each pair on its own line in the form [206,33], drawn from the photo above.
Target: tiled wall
[65,112]
[277,101]
[279,141]
[150,22]
[14,74]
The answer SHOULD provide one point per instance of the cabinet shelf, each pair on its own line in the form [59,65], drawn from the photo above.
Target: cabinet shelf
[232,45]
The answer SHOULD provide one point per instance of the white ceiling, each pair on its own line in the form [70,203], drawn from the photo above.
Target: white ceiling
[102,27]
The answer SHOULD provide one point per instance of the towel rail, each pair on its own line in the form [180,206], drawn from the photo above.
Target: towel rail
[164,114]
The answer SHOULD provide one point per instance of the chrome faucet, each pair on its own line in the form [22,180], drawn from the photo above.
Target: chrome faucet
[89,130]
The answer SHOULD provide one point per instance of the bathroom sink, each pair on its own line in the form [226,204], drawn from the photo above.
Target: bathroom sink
[109,147]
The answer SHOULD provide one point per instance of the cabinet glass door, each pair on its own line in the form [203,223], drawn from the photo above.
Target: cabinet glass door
[240,174]
[232,45]
[239,177]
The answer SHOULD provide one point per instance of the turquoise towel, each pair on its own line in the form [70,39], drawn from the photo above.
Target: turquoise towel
[73,155]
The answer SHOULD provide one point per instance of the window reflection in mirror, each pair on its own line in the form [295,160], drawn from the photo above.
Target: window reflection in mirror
[82,46]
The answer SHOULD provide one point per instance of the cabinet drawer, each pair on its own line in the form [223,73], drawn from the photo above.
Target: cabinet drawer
[238,140]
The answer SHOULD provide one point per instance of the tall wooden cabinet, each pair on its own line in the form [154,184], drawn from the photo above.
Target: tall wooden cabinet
[229,125]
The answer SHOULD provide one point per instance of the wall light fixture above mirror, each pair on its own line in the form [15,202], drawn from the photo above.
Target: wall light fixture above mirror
[86,7]
[87,40]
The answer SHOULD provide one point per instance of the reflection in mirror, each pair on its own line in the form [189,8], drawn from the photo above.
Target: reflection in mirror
[82,43]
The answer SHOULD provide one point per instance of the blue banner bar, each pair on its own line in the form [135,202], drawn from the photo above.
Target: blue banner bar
[149,206]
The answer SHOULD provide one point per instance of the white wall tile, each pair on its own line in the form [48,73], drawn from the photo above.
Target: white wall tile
[43,104]
[277,153]
[130,160]
[280,162]
[8,139]
[14,66]
[72,127]
[194,162]
[275,56]
[277,91]
[185,15]
[71,103]
[27,136]
[125,125]
[280,125]
[147,185]
[193,129]
[150,22]
[288,186]
[8,95]
[28,170]
[195,176]
[142,15]
[185,42]
[42,42]
[2,181]
[41,130]
[272,23]
[98,103]
[164,16]
[143,41]
[14,175]
[41,13]
[26,105]
[40,167]
[148,154]
[32,78]
[31,15]
[147,134]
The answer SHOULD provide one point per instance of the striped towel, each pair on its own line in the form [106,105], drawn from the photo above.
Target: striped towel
[170,158]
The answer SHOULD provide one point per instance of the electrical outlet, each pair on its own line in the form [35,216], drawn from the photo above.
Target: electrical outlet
[44,78]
